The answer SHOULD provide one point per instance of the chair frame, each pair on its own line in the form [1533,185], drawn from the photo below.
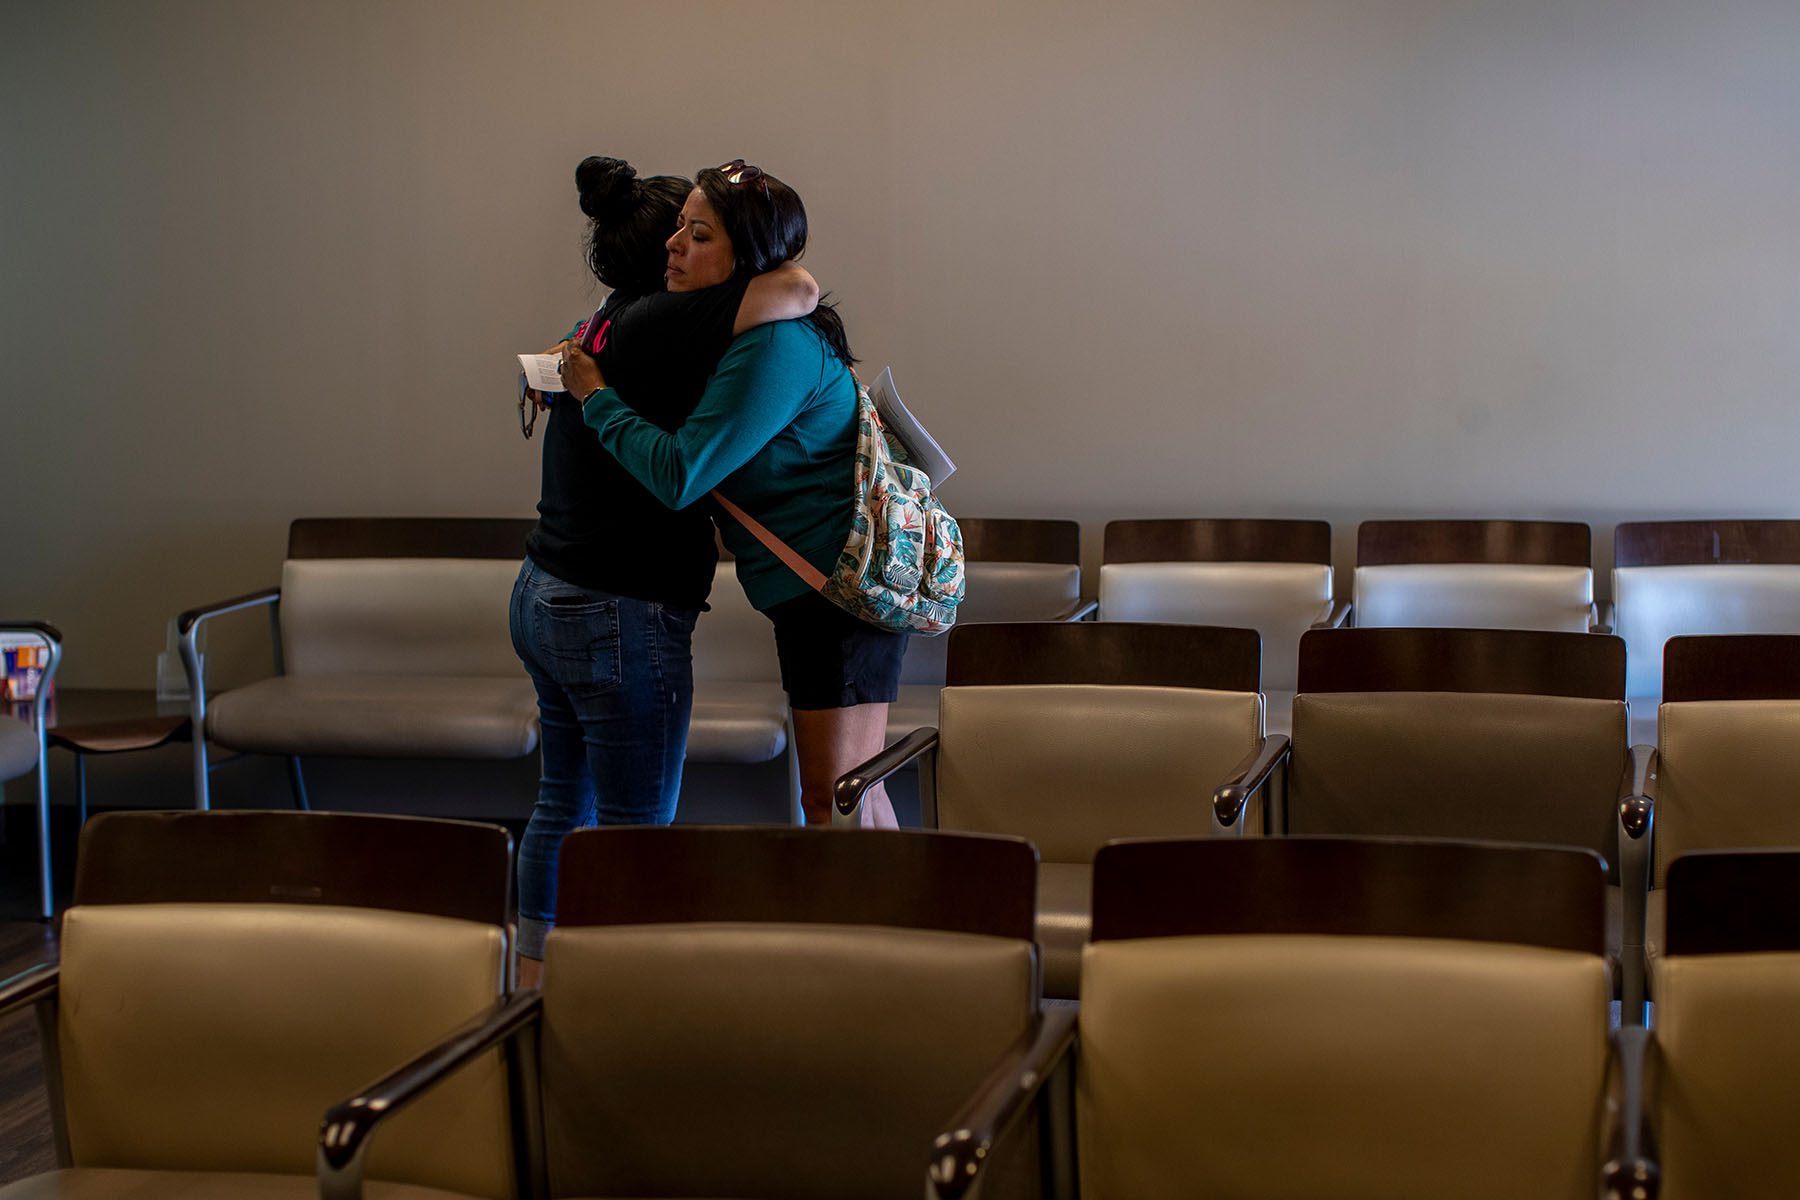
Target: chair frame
[983,885]
[333,537]
[52,639]
[1340,886]
[366,861]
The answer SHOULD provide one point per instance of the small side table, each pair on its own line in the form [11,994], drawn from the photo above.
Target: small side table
[114,737]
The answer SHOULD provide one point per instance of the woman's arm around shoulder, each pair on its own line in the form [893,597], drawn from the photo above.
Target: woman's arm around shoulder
[784,294]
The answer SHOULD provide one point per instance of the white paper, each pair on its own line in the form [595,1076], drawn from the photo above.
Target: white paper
[920,447]
[542,371]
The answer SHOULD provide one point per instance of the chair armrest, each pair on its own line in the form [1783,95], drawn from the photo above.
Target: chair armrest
[1602,617]
[347,1126]
[852,786]
[1247,778]
[1340,613]
[50,633]
[52,638]
[1080,610]
[959,1154]
[1631,1171]
[193,616]
[1637,806]
[32,986]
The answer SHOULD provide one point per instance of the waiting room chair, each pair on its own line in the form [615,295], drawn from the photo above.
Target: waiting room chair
[759,1011]
[740,710]
[1487,734]
[1016,570]
[225,977]
[1070,735]
[391,640]
[1475,575]
[22,749]
[1696,577]
[1273,576]
[1306,1017]
[1713,1087]
[1726,773]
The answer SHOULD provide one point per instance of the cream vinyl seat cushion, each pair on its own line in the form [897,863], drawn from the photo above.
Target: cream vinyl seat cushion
[740,712]
[1291,1067]
[18,748]
[1279,600]
[1655,604]
[1474,596]
[116,1183]
[426,716]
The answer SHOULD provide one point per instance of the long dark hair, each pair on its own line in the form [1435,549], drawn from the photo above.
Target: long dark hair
[766,223]
[629,219]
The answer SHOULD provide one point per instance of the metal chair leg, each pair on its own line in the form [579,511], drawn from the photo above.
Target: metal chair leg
[796,813]
[298,780]
[80,791]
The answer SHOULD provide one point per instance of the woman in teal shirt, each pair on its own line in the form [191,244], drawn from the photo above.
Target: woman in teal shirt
[774,433]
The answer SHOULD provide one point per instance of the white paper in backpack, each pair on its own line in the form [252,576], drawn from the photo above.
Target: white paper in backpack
[922,450]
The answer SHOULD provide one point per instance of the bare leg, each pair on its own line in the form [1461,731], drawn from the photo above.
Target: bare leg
[831,742]
[530,972]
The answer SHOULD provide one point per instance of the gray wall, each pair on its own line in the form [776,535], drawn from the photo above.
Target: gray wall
[1340,258]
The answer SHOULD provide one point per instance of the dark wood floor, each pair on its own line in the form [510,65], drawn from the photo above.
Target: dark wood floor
[24,1117]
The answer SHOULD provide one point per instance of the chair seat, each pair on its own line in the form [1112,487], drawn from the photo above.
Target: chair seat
[386,716]
[1065,916]
[737,722]
[18,748]
[916,706]
[113,1183]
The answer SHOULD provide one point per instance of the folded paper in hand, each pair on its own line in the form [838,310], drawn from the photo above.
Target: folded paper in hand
[543,371]
[920,448]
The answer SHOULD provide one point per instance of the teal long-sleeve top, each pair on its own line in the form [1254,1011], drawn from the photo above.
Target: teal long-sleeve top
[775,432]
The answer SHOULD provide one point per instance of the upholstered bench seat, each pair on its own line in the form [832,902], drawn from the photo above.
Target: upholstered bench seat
[18,748]
[737,722]
[424,716]
[108,1183]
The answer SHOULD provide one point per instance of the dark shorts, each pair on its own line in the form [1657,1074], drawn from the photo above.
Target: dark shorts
[830,659]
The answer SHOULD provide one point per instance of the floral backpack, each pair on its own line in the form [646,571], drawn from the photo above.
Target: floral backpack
[902,566]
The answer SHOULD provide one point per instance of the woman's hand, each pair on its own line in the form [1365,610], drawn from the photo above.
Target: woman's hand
[580,373]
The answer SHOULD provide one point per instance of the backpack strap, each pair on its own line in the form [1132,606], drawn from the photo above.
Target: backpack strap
[809,574]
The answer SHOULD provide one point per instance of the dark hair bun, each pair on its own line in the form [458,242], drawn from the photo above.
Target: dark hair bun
[608,187]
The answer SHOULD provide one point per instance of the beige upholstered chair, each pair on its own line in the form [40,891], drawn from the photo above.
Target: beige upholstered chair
[1698,577]
[391,640]
[1504,735]
[1474,575]
[1017,570]
[740,712]
[1272,576]
[1070,735]
[226,977]
[1306,1017]
[1727,768]
[22,746]
[1709,1107]
[767,1011]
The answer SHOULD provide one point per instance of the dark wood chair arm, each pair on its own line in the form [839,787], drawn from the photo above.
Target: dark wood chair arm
[1080,610]
[347,1126]
[194,616]
[1010,1090]
[1637,804]
[32,986]
[43,629]
[854,784]
[1602,617]
[1247,778]
[1340,613]
[1631,1171]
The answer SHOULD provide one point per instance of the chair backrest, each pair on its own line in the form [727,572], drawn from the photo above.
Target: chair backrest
[400,596]
[1465,733]
[1728,1079]
[754,1012]
[733,643]
[1697,577]
[1729,744]
[1474,574]
[226,977]
[1273,576]
[1302,1017]
[1016,570]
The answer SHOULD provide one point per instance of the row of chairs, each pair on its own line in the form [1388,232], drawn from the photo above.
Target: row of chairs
[284,1005]
[1074,735]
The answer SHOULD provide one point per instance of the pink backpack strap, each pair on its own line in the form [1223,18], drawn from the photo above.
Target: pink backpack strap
[809,574]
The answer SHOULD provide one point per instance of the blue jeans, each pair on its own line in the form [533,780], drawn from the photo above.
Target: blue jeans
[615,686]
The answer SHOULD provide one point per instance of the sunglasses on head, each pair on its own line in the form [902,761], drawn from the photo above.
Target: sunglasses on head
[738,173]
